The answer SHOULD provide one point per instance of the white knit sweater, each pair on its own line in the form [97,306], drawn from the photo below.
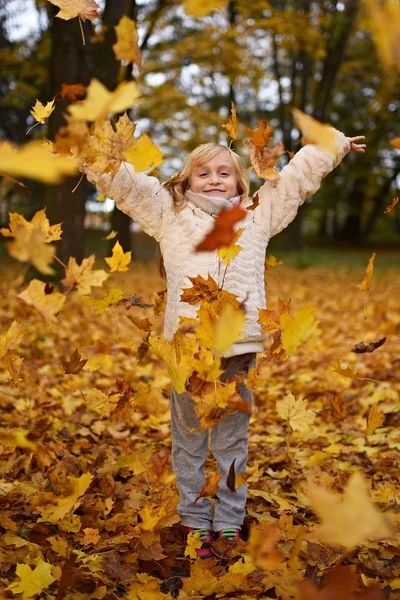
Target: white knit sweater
[149,204]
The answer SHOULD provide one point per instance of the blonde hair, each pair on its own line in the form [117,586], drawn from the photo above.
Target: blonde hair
[178,184]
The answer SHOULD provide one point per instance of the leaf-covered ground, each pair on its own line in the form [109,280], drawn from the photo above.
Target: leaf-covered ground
[88,500]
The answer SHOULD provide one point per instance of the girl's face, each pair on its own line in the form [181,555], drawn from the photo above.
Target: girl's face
[215,178]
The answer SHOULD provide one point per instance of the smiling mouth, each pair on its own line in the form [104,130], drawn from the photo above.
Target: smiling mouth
[214,190]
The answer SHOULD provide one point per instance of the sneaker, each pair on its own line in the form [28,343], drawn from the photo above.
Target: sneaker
[205,551]
[231,534]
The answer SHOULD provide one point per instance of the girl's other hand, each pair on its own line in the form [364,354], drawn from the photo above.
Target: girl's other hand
[357,148]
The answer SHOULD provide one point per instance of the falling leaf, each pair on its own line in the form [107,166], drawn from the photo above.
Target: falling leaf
[321,134]
[210,487]
[223,232]
[30,246]
[206,291]
[392,205]
[231,126]
[395,143]
[351,520]
[100,102]
[144,155]
[345,372]
[111,235]
[72,91]
[261,136]
[295,412]
[11,339]
[56,512]
[230,480]
[32,582]
[297,328]
[366,282]
[143,324]
[362,348]
[82,276]
[270,319]
[48,305]
[375,419]
[40,112]
[228,328]
[114,296]
[255,202]
[228,253]
[384,22]
[85,9]
[33,160]
[119,260]
[127,46]
[202,8]
[75,364]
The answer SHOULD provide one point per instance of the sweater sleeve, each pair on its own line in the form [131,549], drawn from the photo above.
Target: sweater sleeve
[301,177]
[139,196]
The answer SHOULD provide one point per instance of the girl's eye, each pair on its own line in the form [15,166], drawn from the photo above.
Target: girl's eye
[224,173]
[203,174]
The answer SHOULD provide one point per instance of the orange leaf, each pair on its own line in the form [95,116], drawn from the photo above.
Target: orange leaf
[366,282]
[231,125]
[72,91]
[210,487]
[391,206]
[223,232]
[375,419]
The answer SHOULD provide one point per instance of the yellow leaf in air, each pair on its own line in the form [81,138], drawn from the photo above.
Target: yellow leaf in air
[207,292]
[228,253]
[295,412]
[179,368]
[384,22]
[98,306]
[350,520]
[127,46]
[193,543]
[85,9]
[47,304]
[271,262]
[297,328]
[228,328]
[11,339]
[321,134]
[392,205]
[100,102]
[39,221]
[111,235]
[202,8]
[231,126]
[270,319]
[82,275]
[366,282]
[145,155]
[119,260]
[40,112]
[34,161]
[32,582]
[395,143]
[211,400]
[55,512]
[375,419]
[30,246]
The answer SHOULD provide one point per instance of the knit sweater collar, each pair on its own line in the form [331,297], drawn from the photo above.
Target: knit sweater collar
[211,204]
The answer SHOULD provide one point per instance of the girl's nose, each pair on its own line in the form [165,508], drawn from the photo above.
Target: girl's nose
[214,178]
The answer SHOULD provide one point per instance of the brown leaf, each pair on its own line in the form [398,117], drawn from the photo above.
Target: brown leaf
[75,364]
[392,205]
[361,348]
[256,202]
[230,480]
[375,419]
[72,91]
[210,487]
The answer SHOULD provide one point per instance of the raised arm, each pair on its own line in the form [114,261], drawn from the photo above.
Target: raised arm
[301,177]
[141,197]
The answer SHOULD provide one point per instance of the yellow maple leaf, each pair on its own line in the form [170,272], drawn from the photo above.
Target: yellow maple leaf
[82,275]
[40,112]
[384,22]
[212,398]
[119,259]
[144,155]
[202,8]
[350,520]
[11,339]
[228,253]
[375,419]
[228,328]
[33,160]
[297,328]
[30,245]
[32,582]
[100,102]
[127,46]
[321,134]
[295,412]
[98,306]
[193,543]
[231,126]
[207,292]
[179,369]
[270,318]
[55,512]
[47,304]
[366,282]
[85,9]
[91,536]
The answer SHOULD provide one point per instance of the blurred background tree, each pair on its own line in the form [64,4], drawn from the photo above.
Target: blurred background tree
[267,57]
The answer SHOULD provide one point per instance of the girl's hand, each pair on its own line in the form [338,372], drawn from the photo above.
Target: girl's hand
[357,148]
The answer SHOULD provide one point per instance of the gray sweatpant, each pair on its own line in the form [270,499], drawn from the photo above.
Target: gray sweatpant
[229,441]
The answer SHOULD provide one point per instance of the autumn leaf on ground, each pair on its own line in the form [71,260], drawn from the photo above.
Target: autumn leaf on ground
[100,102]
[321,134]
[17,438]
[366,282]
[92,536]
[231,125]
[72,91]
[298,328]
[32,582]
[202,8]
[392,205]
[270,319]
[193,542]
[350,520]
[341,583]
[75,364]
[114,296]
[296,413]
[127,46]
[223,232]
[206,291]
[82,275]
[362,348]
[375,419]
[33,160]
[210,487]
[144,154]
[49,305]
[53,513]
[85,9]
[40,112]
[119,260]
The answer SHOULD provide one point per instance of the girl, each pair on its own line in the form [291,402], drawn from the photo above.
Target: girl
[179,215]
